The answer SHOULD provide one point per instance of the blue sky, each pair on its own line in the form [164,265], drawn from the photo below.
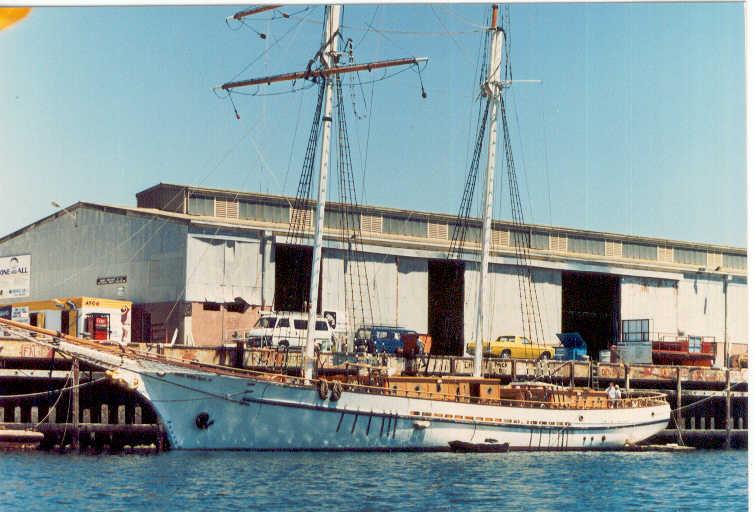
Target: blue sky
[637,126]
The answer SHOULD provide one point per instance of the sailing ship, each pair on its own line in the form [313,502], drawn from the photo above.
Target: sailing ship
[215,407]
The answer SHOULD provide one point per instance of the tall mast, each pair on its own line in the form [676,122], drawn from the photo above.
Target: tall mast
[330,47]
[328,58]
[492,89]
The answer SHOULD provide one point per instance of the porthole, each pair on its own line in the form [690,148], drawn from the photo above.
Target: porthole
[416,388]
[581,417]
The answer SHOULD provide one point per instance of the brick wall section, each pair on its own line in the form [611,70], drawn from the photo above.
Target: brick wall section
[210,328]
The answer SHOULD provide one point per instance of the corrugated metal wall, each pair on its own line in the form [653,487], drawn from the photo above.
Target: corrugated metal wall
[160,257]
[648,298]
[70,252]
[221,268]
[736,325]
[701,305]
[397,289]
[505,303]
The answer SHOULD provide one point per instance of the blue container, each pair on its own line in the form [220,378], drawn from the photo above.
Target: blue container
[573,347]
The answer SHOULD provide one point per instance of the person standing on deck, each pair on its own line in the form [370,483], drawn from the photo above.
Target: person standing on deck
[612,395]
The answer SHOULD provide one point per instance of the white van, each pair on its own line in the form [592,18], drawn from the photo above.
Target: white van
[288,329]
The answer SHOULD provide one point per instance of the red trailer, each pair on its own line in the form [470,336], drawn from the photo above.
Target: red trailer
[685,350]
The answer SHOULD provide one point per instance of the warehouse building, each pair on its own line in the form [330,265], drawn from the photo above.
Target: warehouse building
[199,264]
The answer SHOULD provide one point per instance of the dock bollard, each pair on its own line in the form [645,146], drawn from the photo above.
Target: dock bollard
[239,355]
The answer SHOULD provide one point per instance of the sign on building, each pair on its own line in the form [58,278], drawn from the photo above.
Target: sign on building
[15,276]
[111,280]
[20,314]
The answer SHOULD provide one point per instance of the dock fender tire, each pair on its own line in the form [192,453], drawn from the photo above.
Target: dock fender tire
[545,356]
[335,394]
[322,388]
[506,354]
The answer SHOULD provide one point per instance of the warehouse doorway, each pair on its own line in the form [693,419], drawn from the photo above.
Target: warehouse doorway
[592,307]
[445,306]
[293,271]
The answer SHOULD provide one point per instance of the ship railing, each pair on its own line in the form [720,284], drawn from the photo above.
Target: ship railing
[587,400]
[557,400]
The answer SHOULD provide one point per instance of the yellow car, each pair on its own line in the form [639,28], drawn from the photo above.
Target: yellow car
[513,346]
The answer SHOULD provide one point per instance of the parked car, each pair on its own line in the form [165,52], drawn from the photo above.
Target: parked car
[384,338]
[288,329]
[513,346]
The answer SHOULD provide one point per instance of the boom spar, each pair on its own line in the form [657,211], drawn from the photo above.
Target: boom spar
[324,72]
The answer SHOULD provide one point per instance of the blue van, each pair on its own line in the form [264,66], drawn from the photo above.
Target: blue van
[376,339]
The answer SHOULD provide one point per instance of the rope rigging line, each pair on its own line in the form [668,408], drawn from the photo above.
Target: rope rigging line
[276,41]
[59,390]
[381,31]
[448,33]
[127,352]
[356,281]
[463,221]
[707,398]
[350,52]
[298,224]
[522,241]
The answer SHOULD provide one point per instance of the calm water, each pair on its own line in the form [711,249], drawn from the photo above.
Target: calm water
[700,481]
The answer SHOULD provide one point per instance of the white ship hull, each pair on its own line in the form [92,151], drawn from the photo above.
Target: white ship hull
[247,413]
[259,415]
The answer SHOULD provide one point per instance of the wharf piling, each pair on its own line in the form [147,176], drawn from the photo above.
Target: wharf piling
[75,410]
